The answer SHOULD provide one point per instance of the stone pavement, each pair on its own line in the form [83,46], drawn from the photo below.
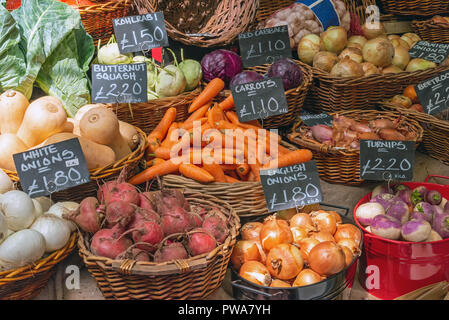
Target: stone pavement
[333,194]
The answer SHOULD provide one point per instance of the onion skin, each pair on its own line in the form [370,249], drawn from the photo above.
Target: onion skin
[321,133]
[306,245]
[308,47]
[255,272]
[275,232]
[370,32]
[299,234]
[348,231]
[322,236]
[327,258]
[279,284]
[391,134]
[251,231]
[325,60]
[369,68]
[392,69]
[401,57]
[348,255]
[360,40]
[244,251]
[307,277]
[350,244]
[353,53]
[382,124]
[378,51]
[325,222]
[302,220]
[417,64]
[400,43]
[284,261]
[347,68]
[334,39]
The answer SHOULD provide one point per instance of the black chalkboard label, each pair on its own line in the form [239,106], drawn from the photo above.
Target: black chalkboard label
[264,46]
[292,186]
[433,94]
[140,33]
[119,83]
[313,119]
[435,52]
[259,99]
[52,168]
[387,160]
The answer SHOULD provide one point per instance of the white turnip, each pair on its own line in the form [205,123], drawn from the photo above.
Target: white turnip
[55,231]
[18,209]
[423,211]
[21,248]
[386,227]
[416,230]
[6,183]
[367,211]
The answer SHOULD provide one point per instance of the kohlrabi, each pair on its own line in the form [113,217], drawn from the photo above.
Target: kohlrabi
[171,80]
[110,54]
[192,71]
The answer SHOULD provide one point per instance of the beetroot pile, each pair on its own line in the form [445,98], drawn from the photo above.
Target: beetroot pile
[154,226]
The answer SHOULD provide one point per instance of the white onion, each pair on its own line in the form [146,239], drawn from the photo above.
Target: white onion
[38,211]
[335,39]
[401,57]
[3,228]
[55,231]
[360,40]
[58,209]
[6,183]
[308,47]
[378,51]
[21,248]
[18,209]
[45,202]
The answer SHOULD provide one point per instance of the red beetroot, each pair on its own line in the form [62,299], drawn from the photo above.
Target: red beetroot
[169,199]
[141,215]
[145,201]
[149,232]
[216,226]
[200,241]
[201,211]
[109,242]
[172,251]
[176,221]
[119,212]
[134,254]
[114,191]
[196,219]
[88,217]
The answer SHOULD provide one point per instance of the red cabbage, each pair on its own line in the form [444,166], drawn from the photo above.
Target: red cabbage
[223,64]
[245,77]
[288,70]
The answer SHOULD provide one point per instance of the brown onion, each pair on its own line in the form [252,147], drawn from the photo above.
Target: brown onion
[325,60]
[334,39]
[348,255]
[348,231]
[400,43]
[299,234]
[307,277]
[245,250]
[360,40]
[347,68]
[350,244]
[303,220]
[305,246]
[324,221]
[417,64]
[369,69]
[369,136]
[393,36]
[279,284]
[322,236]
[255,272]
[353,53]
[327,258]
[410,38]
[401,100]
[391,135]
[274,232]
[391,69]
[381,124]
[378,51]
[251,231]
[401,57]
[373,30]
[308,47]
[284,261]
[336,216]
[354,45]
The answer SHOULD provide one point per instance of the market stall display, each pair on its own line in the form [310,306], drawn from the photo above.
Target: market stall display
[415,7]
[435,29]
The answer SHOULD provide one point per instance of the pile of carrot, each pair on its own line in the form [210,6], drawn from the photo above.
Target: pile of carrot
[169,140]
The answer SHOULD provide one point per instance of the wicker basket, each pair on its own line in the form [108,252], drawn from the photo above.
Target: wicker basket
[26,282]
[430,31]
[97,19]
[193,278]
[343,166]
[146,116]
[436,131]
[111,171]
[295,98]
[415,7]
[227,18]
[333,94]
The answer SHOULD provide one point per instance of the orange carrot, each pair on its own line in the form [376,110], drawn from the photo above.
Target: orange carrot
[166,167]
[242,177]
[255,170]
[155,162]
[228,167]
[283,150]
[251,177]
[291,158]
[230,179]
[228,103]
[210,91]
[194,172]
[172,135]
[153,144]
[215,115]
[199,113]
[232,116]
[162,152]
[216,171]
[189,125]
[242,169]
[161,129]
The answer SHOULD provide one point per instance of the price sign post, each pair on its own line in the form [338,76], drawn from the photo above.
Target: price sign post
[433,94]
[291,186]
[264,46]
[119,83]
[387,160]
[138,33]
[52,168]
[260,99]
[313,119]
[435,52]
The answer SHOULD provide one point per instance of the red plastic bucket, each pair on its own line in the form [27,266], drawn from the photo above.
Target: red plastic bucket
[390,269]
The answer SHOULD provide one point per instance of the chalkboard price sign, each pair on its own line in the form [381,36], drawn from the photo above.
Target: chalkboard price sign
[119,83]
[387,160]
[313,119]
[264,46]
[433,94]
[435,52]
[260,99]
[140,33]
[52,168]
[291,186]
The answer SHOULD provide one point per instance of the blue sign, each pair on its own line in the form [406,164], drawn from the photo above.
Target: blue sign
[324,10]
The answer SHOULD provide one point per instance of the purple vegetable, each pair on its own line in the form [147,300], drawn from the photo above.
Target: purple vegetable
[366,212]
[321,132]
[405,195]
[245,77]
[416,230]
[433,236]
[382,188]
[424,211]
[418,194]
[399,210]
[400,187]
[223,64]
[441,225]
[438,211]
[386,227]
[433,197]
[385,200]
[288,70]
[446,207]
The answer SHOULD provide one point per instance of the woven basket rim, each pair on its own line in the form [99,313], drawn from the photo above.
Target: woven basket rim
[104,6]
[234,222]
[429,23]
[41,265]
[299,139]
[100,173]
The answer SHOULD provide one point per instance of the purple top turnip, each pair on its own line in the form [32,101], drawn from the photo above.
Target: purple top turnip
[446,206]
[424,211]
[418,194]
[386,227]
[433,236]
[384,199]
[433,197]
[367,211]
[438,211]
[416,230]
[382,188]
[400,187]
[441,225]
[399,210]
[405,195]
